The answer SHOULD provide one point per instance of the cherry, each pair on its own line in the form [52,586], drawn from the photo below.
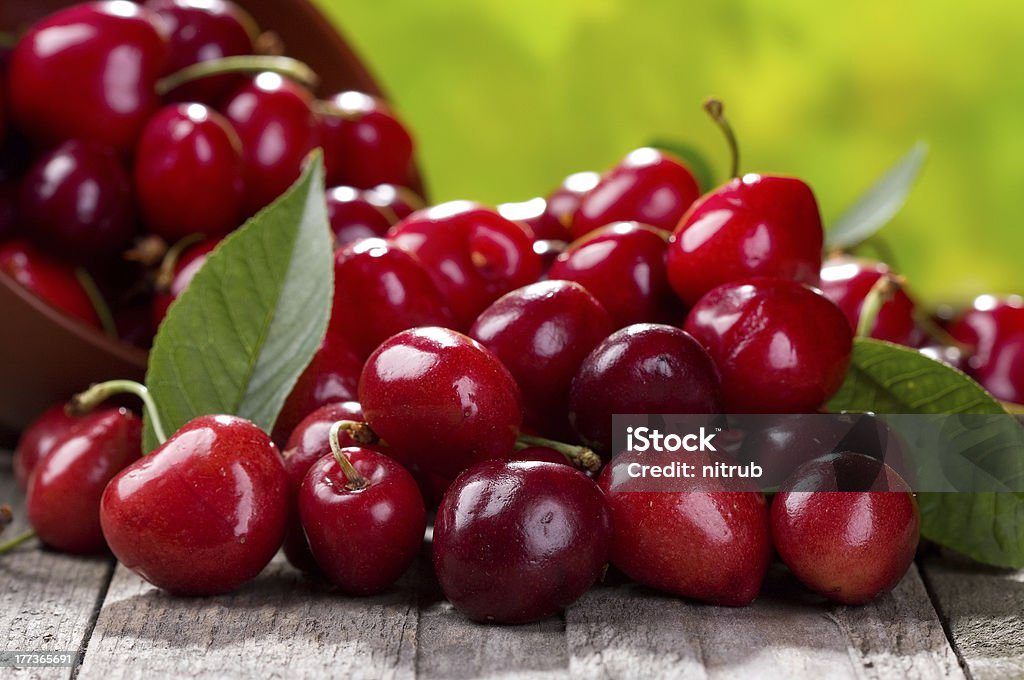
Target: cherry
[947,354]
[549,218]
[703,538]
[841,537]
[401,201]
[354,215]
[623,266]
[365,144]
[648,186]
[203,513]
[63,502]
[51,280]
[540,454]
[474,254]
[275,121]
[542,333]
[8,208]
[185,269]
[38,438]
[188,173]
[103,58]
[76,201]
[847,281]
[644,368]
[380,290]
[364,518]
[779,346]
[440,400]
[516,542]
[994,328]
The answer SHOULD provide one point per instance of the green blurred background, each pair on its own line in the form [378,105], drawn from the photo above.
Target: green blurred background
[506,98]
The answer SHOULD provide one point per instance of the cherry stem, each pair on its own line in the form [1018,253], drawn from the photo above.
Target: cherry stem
[356,481]
[884,289]
[86,401]
[99,304]
[716,110]
[940,334]
[165,274]
[147,251]
[248,63]
[16,541]
[580,456]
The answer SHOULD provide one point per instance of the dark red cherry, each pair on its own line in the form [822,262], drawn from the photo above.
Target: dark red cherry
[755,225]
[185,269]
[516,542]
[354,215]
[549,218]
[847,281]
[365,144]
[644,368]
[275,121]
[188,173]
[365,529]
[648,186]
[38,438]
[203,513]
[380,290]
[623,266]
[88,72]
[440,400]
[76,201]
[400,200]
[779,346]
[542,333]
[64,491]
[474,254]
[994,328]
[51,280]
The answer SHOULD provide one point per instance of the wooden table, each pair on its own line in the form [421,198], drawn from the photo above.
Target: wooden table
[946,618]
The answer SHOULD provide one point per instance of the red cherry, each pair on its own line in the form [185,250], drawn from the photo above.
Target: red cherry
[540,454]
[63,501]
[623,266]
[380,290]
[76,201]
[365,144]
[994,327]
[104,57]
[847,281]
[474,254]
[364,529]
[354,215]
[516,542]
[648,186]
[38,438]
[549,218]
[188,173]
[542,333]
[779,346]
[755,225]
[185,269]
[203,513]
[275,121]
[49,279]
[400,200]
[440,400]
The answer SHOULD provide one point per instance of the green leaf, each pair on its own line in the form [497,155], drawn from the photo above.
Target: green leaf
[693,157]
[878,204]
[237,339]
[986,526]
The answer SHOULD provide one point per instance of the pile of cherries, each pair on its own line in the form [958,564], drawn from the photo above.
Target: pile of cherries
[473,362]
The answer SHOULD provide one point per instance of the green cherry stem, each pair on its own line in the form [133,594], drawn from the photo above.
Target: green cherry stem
[16,541]
[83,402]
[356,481]
[249,63]
[165,274]
[716,110]
[99,304]
[580,456]
[882,292]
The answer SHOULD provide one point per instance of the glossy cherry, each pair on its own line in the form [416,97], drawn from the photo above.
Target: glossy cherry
[64,491]
[76,201]
[994,328]
[275,121]
[542,333]
[755,225]
[648,186]
[549,218]
[354,215]
[88,72]
[203,513]
[365,144]
[779,346]
[516,541]
[185,269]
[623,266]
[849,543]
[38,438]
[474,254]
[51,280]
[402,201]
[380,290]
[188,173]
[440,400]
[847,281]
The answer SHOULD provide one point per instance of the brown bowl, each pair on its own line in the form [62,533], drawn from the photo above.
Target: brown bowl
[46,356]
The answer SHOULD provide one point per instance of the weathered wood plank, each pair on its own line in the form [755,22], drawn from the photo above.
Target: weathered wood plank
[625,631]
[48,601]
[983,609]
